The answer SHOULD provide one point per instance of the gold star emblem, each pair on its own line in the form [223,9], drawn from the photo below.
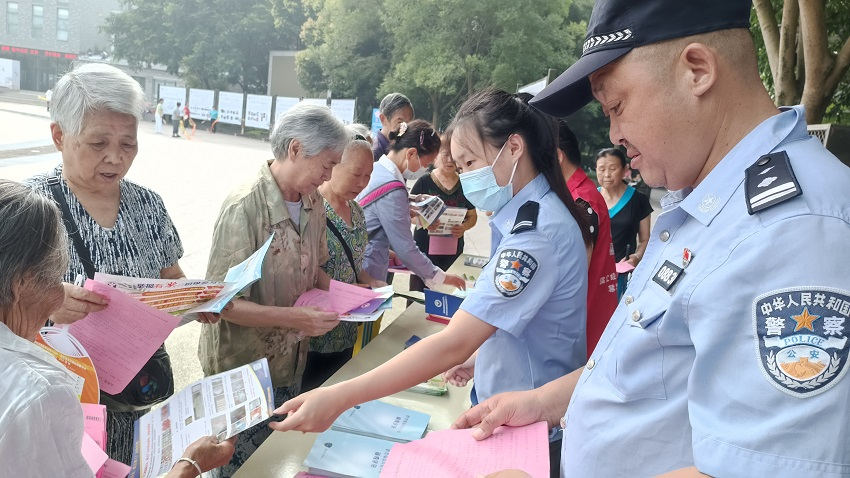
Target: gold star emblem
[805,320]
[516,265]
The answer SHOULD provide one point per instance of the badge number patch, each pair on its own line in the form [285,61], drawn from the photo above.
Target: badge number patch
[802,338]
[667,275]
[514,270]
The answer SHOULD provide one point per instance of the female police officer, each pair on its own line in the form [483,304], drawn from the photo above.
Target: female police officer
[527,310]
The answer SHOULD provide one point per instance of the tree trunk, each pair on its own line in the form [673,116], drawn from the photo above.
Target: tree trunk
[770,33]
[785,79]
[818,61]
[435,110]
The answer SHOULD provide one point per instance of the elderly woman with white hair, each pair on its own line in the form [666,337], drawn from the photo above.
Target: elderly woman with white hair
[116,226]
[41,422]
[307,142]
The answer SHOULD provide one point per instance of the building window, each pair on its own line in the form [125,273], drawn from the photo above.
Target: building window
[37,21]
[62,15]
[12,18]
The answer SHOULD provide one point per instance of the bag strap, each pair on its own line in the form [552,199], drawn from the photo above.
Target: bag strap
[70,226]
[380,191]
[345,247]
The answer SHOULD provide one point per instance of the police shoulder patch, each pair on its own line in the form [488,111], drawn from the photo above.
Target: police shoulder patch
[514,271]
[770,181]
[526,217]
[802,341]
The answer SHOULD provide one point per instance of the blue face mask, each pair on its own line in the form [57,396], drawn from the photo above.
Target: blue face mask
[482,190]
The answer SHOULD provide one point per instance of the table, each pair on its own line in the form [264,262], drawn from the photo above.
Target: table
[283,453]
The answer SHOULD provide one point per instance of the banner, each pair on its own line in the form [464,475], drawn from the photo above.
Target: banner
[376,121]
[282,104]
[315,101]
[258,111]
[230,107]
[171,95]
[200,103]
[343,110]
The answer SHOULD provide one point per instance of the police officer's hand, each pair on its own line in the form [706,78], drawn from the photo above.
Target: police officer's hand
[77,304]
[514,409]
[208,452]
[460,375]
[455,281]
[313,411]
[313,321]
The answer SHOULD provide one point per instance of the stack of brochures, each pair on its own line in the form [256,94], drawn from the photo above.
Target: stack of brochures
[359,441]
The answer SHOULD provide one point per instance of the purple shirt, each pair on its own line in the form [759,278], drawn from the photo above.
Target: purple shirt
[380,146]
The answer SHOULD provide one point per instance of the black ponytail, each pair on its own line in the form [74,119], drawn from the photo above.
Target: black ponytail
[497,114]
[417,134]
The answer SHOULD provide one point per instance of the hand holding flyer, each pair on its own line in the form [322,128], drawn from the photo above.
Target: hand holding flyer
[426,208]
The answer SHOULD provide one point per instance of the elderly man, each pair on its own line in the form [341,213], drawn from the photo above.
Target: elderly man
[728,353]
[307,143]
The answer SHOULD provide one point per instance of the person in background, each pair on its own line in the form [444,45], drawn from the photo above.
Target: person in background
[385,203]
[157,116]
[213,119]
[122,228]
[394,109]
[189,122]
[601,273]
[41,422]
[443,182]
[347,240]
[48,97]
[307,142]
[176,120]
[628,209]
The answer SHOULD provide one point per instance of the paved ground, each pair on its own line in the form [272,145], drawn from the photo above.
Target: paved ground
[192,176]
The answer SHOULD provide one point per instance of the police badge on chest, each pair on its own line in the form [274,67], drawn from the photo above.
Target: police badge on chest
[802,338]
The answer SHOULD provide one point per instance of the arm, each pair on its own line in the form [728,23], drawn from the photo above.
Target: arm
[208,452]
[393,212]
[363,277]
[547,403]
[312,321]
[316,410]
[643,239]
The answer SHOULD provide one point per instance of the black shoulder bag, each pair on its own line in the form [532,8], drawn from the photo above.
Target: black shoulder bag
[155,381]
[345,247]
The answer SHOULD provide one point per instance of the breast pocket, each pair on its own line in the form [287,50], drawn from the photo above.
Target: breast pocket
[636,356]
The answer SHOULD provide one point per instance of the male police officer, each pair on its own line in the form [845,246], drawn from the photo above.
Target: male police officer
[728,354]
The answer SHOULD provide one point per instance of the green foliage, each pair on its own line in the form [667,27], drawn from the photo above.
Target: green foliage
[210,43]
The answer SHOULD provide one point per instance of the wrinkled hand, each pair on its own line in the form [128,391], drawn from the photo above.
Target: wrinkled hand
[210,453]
[460,375]
[458,231]
[314,321]
[434,225]
[455,280]
[78,303]
[377,284]
[514,409]
[633,259]
[313,411]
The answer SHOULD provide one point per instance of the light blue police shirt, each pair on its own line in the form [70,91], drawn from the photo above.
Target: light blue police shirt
[739,368]
[534,290]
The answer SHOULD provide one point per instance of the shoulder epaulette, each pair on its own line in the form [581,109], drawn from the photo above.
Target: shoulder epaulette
[526,217]
[590,216]
[770,181]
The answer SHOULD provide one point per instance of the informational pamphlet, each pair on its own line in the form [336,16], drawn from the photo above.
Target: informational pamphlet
[451,217]
[221,405]
[427,208]
[71,353]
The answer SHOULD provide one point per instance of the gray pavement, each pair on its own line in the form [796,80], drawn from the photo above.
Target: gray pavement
[192,176]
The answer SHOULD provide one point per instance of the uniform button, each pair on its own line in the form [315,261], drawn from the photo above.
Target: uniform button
[629,299]
[665,234]
[764,161]
[590,364]
[636,315]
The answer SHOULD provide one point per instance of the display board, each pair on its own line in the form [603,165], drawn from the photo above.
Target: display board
[230,107]
[171,95]
[200,103]
[258,111]
[343,110]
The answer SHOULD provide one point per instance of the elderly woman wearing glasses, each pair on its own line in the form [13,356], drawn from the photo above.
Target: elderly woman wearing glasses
[307,142]
[118,227]
[41,422]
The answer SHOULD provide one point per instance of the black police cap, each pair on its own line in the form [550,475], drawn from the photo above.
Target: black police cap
[618,26]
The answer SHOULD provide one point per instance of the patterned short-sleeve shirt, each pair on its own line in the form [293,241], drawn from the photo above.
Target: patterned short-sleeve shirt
[339,268]
[141,243]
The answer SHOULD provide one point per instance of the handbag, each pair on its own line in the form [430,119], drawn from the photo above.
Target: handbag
[155,381]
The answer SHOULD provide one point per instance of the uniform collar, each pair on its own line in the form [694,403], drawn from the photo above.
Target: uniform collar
[705,201]
[533,191]
[278,212]
[576,179]
[390,166]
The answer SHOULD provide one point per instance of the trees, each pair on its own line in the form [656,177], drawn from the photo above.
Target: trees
[805,54]
[212,43]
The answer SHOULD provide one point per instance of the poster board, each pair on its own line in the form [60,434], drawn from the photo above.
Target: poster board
[171,95]
[343,110]
[200,103]
[230,107]
[282,104]
[258,111]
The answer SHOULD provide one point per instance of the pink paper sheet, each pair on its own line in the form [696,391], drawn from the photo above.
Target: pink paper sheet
[93,454]
[94,422]
[121,338]
[456,453]
[623,267]
[114,469]
[442,245]
[341,297]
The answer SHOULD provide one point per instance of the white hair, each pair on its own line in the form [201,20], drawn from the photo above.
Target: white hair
[94,87]
[313,126]
[361,129]
[354,142]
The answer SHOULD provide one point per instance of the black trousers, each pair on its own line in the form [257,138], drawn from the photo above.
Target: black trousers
[321,366]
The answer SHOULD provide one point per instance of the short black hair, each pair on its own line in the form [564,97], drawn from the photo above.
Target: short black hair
[568,143]
[616,152]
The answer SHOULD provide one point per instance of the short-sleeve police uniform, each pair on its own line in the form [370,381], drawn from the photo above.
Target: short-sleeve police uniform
[729,349]
[534,290]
